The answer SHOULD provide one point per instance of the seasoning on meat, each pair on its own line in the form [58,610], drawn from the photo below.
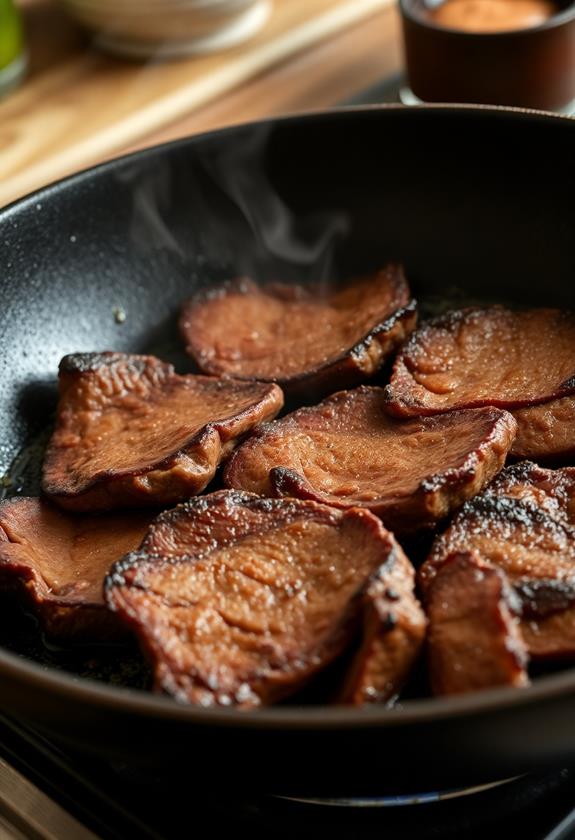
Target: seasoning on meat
[546,432]
[131,432]
[307,339]
[474,637]
[239,600]
[477,357]
[59,562]
[348,452]
[393,631]
[524,523]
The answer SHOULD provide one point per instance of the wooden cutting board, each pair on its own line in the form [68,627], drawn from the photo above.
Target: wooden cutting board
[78,105]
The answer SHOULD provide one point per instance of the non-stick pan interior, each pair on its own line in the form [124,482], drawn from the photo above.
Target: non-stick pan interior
[477,203]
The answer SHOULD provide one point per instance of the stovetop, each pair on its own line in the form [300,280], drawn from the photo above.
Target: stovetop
[47,793]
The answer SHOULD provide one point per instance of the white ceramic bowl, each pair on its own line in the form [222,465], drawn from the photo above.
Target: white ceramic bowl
[169,28]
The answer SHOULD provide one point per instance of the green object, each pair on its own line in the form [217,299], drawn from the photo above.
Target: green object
[12,58]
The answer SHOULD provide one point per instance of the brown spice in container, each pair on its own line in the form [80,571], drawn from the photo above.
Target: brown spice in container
[492,15]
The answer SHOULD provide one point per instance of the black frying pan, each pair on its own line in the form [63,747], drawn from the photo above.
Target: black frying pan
[479,203]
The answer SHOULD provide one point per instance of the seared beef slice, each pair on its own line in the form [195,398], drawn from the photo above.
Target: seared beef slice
[474,638]
[546,432]
[478,357]
[348,452]
[240,600]
[130,431]
[59,562]
[524,523]
[305,338]
[393,630]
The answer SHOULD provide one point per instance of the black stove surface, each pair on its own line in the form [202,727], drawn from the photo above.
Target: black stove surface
[113,802]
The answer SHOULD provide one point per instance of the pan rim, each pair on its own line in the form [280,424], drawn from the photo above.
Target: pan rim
[318,718]
[340,112]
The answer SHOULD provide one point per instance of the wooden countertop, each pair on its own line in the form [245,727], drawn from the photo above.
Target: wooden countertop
[314,79]
[78,106]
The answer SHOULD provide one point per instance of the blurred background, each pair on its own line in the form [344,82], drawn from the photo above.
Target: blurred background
[78,103]
[85,80]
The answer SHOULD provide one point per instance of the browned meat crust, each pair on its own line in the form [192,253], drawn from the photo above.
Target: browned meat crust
[59,562]
[240,600]
[477,357]
[307,340]
[524,523]
[130,431]
[393,631]
[348,452]
[474,637]
[546,432]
